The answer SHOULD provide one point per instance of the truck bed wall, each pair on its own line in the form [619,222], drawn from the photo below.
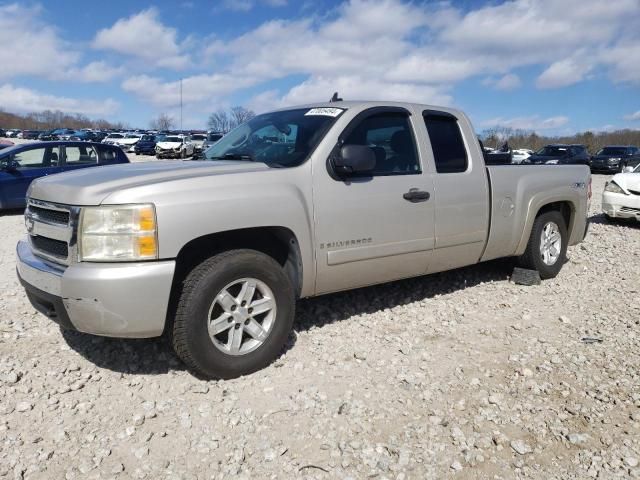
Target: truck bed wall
[518,192]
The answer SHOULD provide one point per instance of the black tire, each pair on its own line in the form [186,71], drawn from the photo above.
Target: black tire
[190,337]
[532,259]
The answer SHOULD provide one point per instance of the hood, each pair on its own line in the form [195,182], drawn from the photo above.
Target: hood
[127,141]
[90,186]
[628,181]
[168,145]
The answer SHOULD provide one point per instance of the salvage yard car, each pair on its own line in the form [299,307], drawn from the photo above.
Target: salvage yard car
[560,154]
[615,158]
[294,203]
[174,146]
[21,164]
[621,196]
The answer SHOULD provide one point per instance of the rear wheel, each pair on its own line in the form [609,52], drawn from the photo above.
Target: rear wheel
[234,314]
[547,247]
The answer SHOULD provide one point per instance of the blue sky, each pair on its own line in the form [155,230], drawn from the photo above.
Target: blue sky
[553,66]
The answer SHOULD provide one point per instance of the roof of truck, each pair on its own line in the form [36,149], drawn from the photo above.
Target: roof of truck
[346,104]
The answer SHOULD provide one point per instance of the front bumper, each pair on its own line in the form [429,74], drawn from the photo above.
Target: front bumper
[109,299]
[168,154]
[618,205]
[603,167]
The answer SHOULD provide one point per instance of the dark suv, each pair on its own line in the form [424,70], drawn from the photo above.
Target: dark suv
[560,154]
[613,158]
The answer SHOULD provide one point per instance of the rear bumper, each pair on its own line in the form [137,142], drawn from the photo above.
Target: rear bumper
[115,300]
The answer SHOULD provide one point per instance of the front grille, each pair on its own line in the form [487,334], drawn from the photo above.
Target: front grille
[630,209]
[49,246]
[53,216]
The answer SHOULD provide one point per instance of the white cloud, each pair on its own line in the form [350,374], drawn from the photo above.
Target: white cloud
[533,122]
[510,81]
[143,36]
[414,50]
[99,72]
[29,46]
[562,74]
[19,99]
[195,89]
[633,116]
[248,5]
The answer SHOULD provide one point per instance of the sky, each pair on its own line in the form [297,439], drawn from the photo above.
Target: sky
[552,66]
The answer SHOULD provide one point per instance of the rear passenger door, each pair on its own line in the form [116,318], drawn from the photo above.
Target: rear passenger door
[79,156]
[373,229]
[461,197]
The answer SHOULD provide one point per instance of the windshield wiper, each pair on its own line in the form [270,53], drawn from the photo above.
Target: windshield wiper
[233,156]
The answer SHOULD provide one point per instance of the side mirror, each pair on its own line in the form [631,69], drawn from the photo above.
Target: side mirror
[627,169]
[10,165]
[354,159]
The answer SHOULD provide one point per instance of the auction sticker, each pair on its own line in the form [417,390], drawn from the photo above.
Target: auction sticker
[327,112]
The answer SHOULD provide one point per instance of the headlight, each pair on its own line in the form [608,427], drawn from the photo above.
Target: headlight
[551,162]
[614,160]
[613,187]
[118,233]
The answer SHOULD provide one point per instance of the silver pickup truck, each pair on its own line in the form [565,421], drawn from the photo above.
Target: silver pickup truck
[295,203]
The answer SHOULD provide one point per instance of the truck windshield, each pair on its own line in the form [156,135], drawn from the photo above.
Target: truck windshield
[279,139]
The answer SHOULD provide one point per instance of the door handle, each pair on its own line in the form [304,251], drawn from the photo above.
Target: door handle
[415,196]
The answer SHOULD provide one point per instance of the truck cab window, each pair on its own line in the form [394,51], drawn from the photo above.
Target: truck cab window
[390,137]
[449,152]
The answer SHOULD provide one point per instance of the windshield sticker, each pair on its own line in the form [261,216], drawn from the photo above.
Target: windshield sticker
[327,112]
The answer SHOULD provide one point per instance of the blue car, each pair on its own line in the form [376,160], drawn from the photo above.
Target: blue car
[147,144]
[22,164]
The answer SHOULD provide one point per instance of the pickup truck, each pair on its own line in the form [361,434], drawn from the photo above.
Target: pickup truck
[294,203]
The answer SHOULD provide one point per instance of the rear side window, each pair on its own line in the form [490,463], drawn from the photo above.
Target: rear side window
[81,155]
[108,155]
[449,152]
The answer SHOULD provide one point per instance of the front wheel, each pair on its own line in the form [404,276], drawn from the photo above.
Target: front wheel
[547,247]
[234,314]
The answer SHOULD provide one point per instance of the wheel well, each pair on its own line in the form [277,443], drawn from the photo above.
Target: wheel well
[279,243]
[566,209]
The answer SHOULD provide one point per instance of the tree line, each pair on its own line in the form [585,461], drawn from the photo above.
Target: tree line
[51,119]
[594,141]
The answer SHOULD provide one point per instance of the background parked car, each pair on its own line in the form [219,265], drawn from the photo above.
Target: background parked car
[12,133]
[147,144]
[614,158]
[31,134]
[621,196]
[198,140]
[174,146]
[212,139]
[112,138]
[21,164]
[519,155]
[560,154]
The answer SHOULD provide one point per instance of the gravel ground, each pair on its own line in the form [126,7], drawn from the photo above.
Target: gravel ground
[461,374]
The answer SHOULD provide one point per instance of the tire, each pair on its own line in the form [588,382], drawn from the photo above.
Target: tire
[199,303]
[533,257]
[183,154]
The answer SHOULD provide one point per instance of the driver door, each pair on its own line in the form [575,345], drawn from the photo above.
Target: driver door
[372,229]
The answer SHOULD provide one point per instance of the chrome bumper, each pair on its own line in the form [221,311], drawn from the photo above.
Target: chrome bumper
[110,299]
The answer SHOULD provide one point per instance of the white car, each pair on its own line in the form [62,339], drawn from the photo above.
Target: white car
[112,138]
[175,146]
[621,196]
[128,142]
[521,154]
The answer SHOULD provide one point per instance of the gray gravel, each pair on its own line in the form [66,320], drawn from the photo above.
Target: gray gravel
[461,374]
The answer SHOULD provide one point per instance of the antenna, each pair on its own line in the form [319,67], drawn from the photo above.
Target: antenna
[180,105]
[335,98]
